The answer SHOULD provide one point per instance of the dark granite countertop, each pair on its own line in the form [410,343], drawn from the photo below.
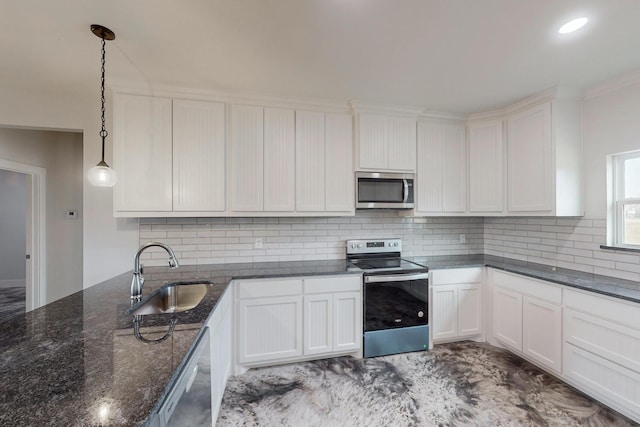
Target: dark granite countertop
[76,361]
[605,285]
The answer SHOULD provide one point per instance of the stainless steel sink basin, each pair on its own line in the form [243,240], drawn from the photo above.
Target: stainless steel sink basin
[172,298]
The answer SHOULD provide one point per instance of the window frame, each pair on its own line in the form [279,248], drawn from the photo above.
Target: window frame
[619,201]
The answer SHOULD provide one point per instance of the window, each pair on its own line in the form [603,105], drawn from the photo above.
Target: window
[626,200]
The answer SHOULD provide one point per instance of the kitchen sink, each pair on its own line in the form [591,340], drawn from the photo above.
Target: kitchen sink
[172,298]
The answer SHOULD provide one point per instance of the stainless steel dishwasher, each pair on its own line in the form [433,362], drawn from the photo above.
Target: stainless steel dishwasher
[189,401]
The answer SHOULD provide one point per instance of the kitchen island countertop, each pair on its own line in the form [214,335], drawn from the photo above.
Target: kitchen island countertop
[76,362]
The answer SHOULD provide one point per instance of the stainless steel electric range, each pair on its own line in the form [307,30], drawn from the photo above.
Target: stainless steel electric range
[395,297]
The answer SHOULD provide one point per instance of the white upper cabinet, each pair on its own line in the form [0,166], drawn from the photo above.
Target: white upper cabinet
[170,156]
[441,176]
[246,152]
[198,156]
[339,174]
[310,161]
[530,161]
[544,159]
[386,143]
[279,160]
[486,167]
[142,154]
[324,163]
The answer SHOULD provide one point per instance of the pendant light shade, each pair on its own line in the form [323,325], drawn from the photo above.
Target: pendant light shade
[102,175]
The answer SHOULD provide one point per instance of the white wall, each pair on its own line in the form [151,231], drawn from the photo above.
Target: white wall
[108,243]
[60,153]
[13,205]
[611,125]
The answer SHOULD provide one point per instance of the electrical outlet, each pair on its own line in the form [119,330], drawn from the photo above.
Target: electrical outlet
[258,243]
[463,238]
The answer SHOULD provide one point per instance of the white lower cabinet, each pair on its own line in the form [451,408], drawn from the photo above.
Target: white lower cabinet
[291,319]
[527,318]
[602,349]
[456,296]
[221,327]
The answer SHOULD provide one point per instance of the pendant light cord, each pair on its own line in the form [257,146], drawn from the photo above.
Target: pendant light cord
[103,131]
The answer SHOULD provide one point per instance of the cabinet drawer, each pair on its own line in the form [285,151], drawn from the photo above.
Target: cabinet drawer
[529,286]
[606,381]
[615,342]
[456,275]
[616,311]
[330,284]
[269,288]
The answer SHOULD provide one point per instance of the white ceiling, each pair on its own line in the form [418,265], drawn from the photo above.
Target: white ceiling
[458,56]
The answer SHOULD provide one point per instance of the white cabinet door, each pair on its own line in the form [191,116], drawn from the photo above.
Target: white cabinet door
[142,153]
[318,324]
[486,167]
[221,326]
[339,176]
[402,144]
[269,328]
[529,160]
[386,143]
[198,156]
[279,160]
[442,168]
[507,317]
[310,161]
[445,312]
[246,158]
[469,309]
[373,149]
[542,332]
[347,321]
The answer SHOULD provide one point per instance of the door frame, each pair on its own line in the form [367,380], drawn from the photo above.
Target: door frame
[36,279]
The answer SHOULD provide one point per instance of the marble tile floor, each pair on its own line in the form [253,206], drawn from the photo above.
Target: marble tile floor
[12,302]
[458,384]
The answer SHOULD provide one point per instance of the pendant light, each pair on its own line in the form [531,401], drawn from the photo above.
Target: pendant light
[102,175]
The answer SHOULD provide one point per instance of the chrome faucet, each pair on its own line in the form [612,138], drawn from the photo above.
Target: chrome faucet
[138,279]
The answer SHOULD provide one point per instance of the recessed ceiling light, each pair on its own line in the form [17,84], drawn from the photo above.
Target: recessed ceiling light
[572,25]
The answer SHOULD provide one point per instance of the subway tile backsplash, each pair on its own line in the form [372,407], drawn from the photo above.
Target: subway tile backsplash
[228,240]
[572,243]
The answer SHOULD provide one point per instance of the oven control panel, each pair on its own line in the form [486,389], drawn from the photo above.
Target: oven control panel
[373,246]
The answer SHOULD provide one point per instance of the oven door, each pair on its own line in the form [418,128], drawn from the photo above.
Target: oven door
[395,301]
[395,313]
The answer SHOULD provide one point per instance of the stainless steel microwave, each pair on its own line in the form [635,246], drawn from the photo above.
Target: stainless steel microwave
[377,190]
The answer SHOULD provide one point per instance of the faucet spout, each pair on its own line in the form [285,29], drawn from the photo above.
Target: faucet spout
[138,279]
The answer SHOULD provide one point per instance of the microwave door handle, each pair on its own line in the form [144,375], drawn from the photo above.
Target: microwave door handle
[405,191]
[396,278]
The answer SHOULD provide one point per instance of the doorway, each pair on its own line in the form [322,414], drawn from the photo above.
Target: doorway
[22,227]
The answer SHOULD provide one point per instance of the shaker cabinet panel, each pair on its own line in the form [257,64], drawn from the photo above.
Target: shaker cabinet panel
[486,167]
[310,161]
[246,158]
[142,153]
[318,323]
[529,160]
[279,159]
[507,317]
[542,332]
[347,320]
[198,156]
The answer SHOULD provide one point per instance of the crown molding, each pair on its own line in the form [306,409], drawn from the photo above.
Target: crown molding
[233,97]
[386,109]
[612,85]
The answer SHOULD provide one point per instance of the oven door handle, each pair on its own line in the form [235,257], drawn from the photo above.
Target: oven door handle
[396,278]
